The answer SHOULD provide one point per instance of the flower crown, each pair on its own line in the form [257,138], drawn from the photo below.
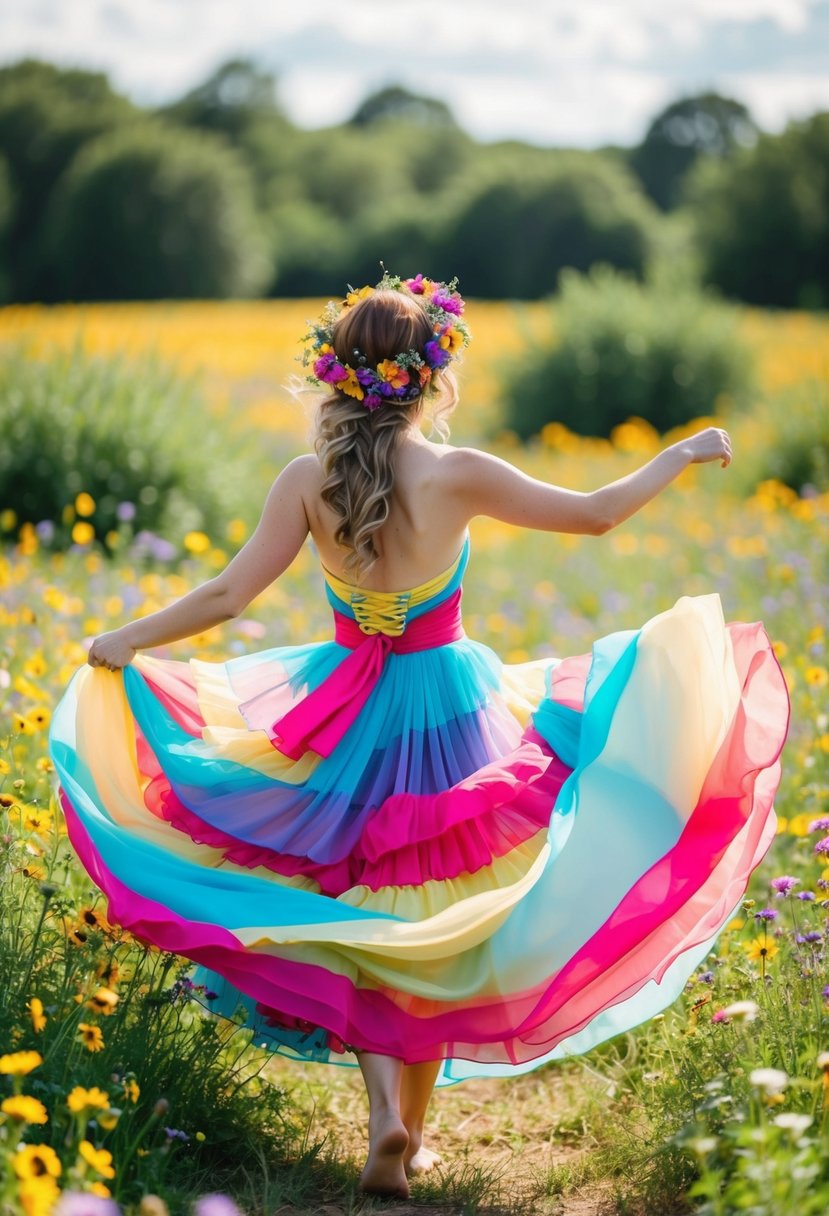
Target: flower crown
[403,378]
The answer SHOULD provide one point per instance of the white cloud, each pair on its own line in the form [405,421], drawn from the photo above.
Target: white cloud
[563,71]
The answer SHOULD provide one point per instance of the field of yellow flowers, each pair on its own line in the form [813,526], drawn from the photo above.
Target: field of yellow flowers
[115,1090]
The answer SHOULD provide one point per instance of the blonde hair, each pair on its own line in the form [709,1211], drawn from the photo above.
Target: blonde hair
[356,446]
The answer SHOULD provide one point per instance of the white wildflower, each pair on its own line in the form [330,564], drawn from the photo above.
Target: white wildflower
[742,1011]
[770,1080]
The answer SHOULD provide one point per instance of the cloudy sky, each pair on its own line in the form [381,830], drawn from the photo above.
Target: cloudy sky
[580,72]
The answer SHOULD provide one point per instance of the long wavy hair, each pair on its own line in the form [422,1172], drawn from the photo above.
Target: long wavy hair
[356,446]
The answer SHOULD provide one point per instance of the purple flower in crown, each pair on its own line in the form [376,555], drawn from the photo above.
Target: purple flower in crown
[416,285]
[372,401]
[436,355]
[329,370]
[366,376]
[446,302]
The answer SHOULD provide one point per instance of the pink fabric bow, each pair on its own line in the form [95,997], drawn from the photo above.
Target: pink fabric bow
[319,721]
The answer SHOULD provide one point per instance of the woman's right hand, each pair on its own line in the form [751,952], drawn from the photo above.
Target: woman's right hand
[711,444]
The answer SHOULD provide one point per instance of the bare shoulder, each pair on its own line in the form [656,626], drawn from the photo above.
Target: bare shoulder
[303,474]
[461,468]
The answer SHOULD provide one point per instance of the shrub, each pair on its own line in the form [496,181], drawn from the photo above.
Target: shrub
[121,433]
[147,212]
[659,352]
[786,439]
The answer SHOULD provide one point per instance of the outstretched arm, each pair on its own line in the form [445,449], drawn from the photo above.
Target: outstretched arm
[275,543]
[489,486]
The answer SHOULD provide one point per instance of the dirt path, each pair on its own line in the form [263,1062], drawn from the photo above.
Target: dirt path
[499,1140]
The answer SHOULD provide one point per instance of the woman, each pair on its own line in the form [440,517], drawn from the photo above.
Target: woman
[379,844]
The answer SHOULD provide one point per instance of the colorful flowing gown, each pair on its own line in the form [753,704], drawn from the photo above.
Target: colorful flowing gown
[392,841]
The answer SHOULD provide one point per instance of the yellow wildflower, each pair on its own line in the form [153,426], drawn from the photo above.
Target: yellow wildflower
[98,1159]
[98,1188]
[35,1007]
[35,666]
[20,1063]
[83,1101]
[196,542]
[24,1109]
[817,677]
[22,725]
[103,1001]
[38,1195]
[40,717]
[82,532]
[761,948]
[85,504]
[5,767]
[132,1090]
[34,1160]
[91,1037]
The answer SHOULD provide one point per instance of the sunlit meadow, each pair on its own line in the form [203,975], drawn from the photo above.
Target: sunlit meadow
[113,1083]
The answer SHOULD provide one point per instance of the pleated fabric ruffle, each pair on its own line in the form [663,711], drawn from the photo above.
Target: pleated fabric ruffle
[496,866]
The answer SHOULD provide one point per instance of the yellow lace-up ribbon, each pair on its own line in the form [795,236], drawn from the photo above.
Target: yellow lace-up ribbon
[386,611]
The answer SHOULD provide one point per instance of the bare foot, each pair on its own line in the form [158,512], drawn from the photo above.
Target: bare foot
[384,1173]
[419,1160]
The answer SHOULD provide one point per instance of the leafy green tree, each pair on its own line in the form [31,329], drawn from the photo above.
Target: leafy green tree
[237,96]
[397,104]
[518,230]
[762,219]
[6,216]
[152,212]
[46,115]
[707,125]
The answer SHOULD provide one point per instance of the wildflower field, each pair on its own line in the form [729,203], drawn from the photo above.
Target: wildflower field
[115,1090]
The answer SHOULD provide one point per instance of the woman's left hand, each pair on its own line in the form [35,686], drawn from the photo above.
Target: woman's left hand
[111,650]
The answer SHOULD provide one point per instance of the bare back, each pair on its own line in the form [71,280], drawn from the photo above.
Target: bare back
[426,526]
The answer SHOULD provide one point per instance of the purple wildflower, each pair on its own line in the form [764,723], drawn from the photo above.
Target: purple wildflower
[216,1205]
[45,531]
[719,1016]
[784,885]
[808,937]
[820,825]
[807,896]
[173,1133]
[822,846]
[707,977]
[825,993]
[210,995]
[125,511]
[77,1203]
[766,914]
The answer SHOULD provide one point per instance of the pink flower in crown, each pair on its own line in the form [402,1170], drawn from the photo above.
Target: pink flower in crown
[419,286]
[372,401]
[447,302]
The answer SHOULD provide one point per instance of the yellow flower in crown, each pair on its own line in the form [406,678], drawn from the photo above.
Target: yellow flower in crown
[451,339]
[393,373]
[354,297]
[351,385]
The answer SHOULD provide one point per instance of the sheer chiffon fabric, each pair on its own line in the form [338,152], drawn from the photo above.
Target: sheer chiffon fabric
[493,865]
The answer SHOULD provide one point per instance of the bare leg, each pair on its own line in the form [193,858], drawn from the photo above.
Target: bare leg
[384,1173]
[416,1089]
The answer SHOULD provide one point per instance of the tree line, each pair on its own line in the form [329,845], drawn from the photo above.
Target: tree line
[218,194]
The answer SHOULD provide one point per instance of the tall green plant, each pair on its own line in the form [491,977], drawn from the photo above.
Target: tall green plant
[135,437]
